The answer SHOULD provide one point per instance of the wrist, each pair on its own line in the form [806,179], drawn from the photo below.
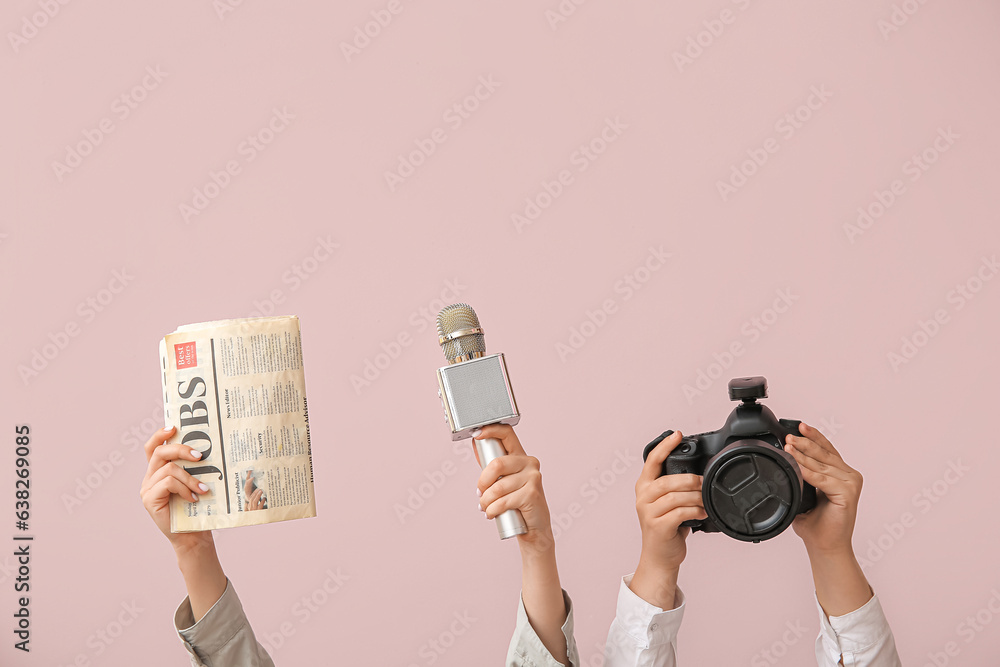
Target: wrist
[841,553]
[656,583]
[537,545]
[195,553]
[657,570]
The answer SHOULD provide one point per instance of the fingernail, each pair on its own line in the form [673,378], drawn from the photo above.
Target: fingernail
[195,453]
[479,494]
[195,496]
[168,429]
[475,432]
[203,487]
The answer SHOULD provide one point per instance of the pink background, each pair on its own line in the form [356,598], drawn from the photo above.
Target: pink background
[64,234]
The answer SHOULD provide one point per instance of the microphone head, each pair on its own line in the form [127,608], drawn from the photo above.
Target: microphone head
[459,334]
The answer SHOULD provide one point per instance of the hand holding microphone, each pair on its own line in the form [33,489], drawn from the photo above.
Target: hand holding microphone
[514,482]
[475,392]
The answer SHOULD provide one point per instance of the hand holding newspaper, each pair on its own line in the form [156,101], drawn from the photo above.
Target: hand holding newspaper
[235,390]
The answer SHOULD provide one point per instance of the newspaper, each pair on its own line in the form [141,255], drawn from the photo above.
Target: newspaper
[235,390]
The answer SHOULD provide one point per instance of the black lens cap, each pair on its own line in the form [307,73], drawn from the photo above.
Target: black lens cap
[751,490]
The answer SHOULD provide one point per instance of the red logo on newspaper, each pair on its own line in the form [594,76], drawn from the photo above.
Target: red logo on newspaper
[186,355]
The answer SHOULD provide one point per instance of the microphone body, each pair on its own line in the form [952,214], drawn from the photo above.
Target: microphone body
[475,391]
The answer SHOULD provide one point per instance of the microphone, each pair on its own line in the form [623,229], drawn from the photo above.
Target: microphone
[475,391]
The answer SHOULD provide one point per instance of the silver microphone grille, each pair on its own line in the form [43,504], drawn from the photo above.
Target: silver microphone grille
[459,333]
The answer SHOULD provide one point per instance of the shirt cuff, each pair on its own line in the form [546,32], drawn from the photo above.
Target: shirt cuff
[215,629]
[854,632]
[528,647]
[646,624]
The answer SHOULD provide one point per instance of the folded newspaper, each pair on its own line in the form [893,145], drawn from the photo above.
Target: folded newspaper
[236,391]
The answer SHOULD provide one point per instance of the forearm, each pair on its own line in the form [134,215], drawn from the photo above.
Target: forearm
[841,586]
[203,576]
[542,595]
[655,584]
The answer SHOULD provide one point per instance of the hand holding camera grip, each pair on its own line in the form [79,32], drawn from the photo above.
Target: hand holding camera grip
[510,523]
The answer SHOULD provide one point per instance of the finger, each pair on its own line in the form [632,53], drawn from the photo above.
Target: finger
[827,482]
[255,497]
[828,486]
[814,434]
[157,439]
[165,453]
[814,450]
[668,484]
[159,494]
[502,466]
[673,519]
[836,468]
[672,501]
[502,432]
[508,484]
[172,470]
[517,500]
[654,462]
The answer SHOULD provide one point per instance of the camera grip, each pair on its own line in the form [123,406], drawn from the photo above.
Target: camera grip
[792,425]
[675,464]
[680,466]
[651,446]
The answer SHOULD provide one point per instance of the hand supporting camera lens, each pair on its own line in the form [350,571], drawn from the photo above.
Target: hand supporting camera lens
[827,530]
[663,504]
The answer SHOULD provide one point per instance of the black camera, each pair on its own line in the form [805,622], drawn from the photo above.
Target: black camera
[752,489]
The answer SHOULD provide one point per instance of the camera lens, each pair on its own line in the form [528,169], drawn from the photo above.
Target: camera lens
[752,490]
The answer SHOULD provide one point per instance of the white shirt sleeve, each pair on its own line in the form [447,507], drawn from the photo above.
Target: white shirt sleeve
[641,633]
[861,637]
[526,648]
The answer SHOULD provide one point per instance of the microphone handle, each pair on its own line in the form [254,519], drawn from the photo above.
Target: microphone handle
[510,523]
